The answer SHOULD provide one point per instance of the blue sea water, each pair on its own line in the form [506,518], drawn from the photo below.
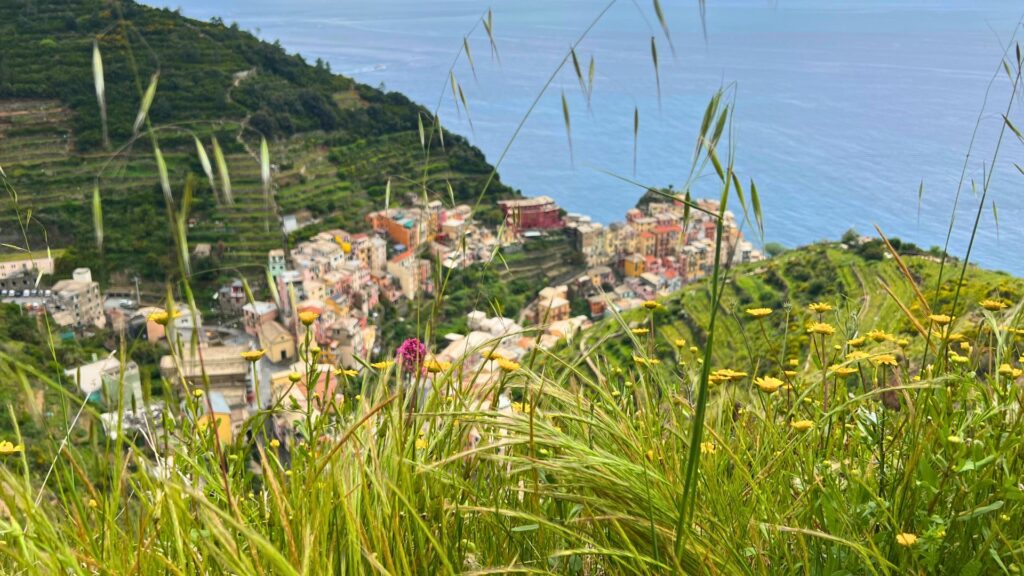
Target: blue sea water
[843,107]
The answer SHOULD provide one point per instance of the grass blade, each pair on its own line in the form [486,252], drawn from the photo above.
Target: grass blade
[265,177]
[97,217]
[657,73]
[568,124]
[165,181]
[465,106]
[423,137]
[1013,128]
[590,78]
[489,28]
[664,25]
[204,160]
[995,215]
[636,135]
[222,169]
[755,202]
[469,56]
[147,101]
[272,286]
[101,99]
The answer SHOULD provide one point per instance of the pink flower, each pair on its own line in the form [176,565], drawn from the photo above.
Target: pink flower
[411,354]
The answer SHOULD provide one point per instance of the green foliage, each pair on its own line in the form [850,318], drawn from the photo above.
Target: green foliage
[335,142]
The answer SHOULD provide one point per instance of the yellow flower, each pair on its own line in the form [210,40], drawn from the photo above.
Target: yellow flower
[693,350]
[821,328]
[940,319]
[958,359]
[639,331]
[435,366]
[856,356]
[350,373]
[993,305]
[162,317]
[308,317]
[382,365]
[820,307]
[493,355]
[758,312]
[652,305]
[680,342]
[726,375]
[641,361]
[650,455]
[275,443]
[906,539]
[198,392]
[878,335]
[843,371]
[767,384]
[790,373]
[794,362]
[508,365]
[421,443]
[707,448]
[884,360]
[8,447]
[856,342]
[954,439]
[956,337]
[801,425]
[294,377]
[93,503]
[1010,371]
[253,355]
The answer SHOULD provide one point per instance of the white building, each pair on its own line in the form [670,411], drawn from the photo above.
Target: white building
[78,301]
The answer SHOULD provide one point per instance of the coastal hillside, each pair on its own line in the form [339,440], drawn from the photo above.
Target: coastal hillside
[335,143]
[854,279]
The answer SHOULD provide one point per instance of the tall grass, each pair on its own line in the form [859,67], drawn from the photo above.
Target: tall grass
[851,459]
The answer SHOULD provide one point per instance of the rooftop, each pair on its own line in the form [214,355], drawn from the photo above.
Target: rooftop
[527,202]
[217,361]
[260,308]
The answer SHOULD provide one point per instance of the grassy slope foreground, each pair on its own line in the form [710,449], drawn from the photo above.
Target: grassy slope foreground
[335,143]
[897,474]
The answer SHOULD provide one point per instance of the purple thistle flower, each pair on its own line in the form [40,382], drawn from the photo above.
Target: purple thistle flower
[411,354]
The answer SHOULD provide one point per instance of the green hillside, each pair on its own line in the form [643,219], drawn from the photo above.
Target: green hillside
[850,280]
[335,142]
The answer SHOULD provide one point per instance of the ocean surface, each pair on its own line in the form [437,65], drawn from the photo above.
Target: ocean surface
[842,107]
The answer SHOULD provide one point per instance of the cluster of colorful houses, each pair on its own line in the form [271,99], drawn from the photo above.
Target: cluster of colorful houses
[657,250]
[340,278]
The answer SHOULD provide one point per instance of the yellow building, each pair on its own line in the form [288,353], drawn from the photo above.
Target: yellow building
[277,341]
[634,265]
[215,410]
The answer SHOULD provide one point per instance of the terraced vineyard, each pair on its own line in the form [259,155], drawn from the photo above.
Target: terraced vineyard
[334,143]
